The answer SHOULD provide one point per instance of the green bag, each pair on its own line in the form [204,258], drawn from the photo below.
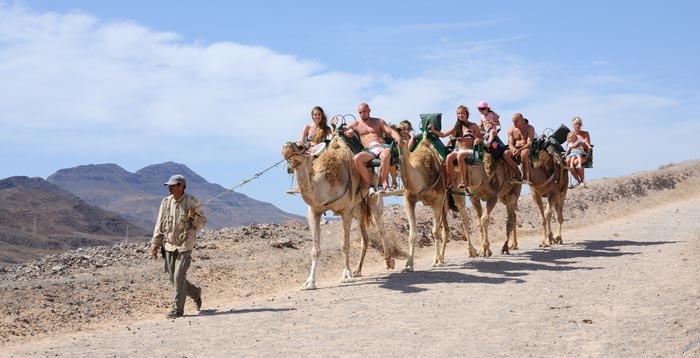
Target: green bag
[434,118]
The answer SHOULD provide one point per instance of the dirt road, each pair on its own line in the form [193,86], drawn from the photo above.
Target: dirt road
[627,287]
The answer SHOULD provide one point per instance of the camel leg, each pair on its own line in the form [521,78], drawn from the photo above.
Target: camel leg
[443,225]
[363,246]
[485,249]
[476,204]
[540,207]
[559,206]
[314,220]
[347,222]
[461,204]
[511,224]
[377,207]
[439,259]
[548,220]
[410,209]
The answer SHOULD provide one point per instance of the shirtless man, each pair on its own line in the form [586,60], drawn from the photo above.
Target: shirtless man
[520,137]
[372,132]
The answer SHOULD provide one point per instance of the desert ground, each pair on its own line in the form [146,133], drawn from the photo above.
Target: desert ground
[624,284]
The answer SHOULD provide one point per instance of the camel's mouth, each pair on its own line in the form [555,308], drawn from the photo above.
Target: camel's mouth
[291,149]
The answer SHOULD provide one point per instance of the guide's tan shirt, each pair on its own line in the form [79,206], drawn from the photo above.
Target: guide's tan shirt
[174,230]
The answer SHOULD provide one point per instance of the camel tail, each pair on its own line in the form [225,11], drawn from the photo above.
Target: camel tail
[451,203]
[366,212]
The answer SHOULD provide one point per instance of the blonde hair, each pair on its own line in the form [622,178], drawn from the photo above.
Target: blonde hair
[571,135]
[577,119]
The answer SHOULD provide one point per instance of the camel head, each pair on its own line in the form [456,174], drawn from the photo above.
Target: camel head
[295,153]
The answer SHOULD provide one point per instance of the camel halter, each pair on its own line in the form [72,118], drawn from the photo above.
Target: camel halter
[291,155]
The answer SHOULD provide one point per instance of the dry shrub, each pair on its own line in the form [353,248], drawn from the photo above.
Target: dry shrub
[668,165]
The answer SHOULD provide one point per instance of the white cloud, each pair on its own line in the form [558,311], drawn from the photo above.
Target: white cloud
[73,84]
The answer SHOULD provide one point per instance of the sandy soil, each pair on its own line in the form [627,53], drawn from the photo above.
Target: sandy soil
[624,284]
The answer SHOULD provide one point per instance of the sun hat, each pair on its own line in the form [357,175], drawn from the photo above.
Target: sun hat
[176,179]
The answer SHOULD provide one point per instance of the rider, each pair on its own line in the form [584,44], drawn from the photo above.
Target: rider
[467,134]
[372,131]
[520,137]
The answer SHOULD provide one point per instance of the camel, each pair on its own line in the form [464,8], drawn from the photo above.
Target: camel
[490,182]
[423,180]
[549,179]
[331,183]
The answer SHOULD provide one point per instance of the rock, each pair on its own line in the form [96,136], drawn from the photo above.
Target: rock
[282,242]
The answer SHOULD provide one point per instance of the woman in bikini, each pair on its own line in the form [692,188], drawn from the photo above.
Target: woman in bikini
[466,134]
[318,131]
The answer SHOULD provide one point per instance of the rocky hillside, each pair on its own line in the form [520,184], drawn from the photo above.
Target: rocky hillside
[136,196]
[38,218]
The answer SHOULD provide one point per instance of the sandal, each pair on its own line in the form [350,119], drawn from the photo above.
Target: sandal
[462,185]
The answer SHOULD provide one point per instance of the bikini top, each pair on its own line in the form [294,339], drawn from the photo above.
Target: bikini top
[467,135]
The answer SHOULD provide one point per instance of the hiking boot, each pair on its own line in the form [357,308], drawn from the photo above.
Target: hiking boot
[198,300]
[173,314]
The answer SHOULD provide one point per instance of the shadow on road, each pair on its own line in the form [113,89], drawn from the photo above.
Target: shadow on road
[408,282]
[590,248]
[214,312]
[515,267]
[555,258]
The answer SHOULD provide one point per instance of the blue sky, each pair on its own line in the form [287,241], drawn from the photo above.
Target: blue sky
[220,86]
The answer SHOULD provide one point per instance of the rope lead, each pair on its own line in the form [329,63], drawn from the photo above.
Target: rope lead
[257,175]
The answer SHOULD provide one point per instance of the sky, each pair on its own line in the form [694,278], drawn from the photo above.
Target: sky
[220,86]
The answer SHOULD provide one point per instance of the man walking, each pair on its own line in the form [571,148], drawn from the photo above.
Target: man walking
[179,217]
